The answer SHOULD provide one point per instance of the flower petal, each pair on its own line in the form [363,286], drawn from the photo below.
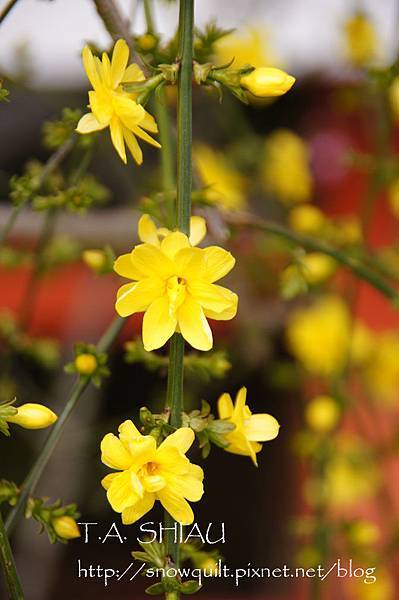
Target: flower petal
[142,450]
[149,123]
[120,493]
[181,439]
[225,406]
[193,325]
[171,461]
[137,297]
[178,508]
[188,487]
[224,315]
[213,297]
[114,454]
[120,56]
[197,230]
[106,70]
[132,74]
[124,267]
[133,146]
[218,263]
[88,124]
[144,136]
[158,324]
[136,511]
[117,138]
[261,428]
[101,107]
[174,242]
[108,479]
[150,261]
[91,68]
[128,110]
[153,483]
[190,263]
[128,432]
[147,231]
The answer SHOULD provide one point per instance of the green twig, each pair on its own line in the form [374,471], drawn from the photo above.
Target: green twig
[148,16]
[7,562]
[174,395]
[357,266]
[167,154]
[7,9]
[78,388]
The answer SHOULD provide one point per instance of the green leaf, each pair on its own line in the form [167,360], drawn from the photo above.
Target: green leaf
[190,587]
[155,589]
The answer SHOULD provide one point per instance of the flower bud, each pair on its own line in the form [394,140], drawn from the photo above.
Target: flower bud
[33,416]
[316,267]
[86,364]
[94,259]
[307,219]
[66,527]
[267,81]
[147,42]
[322,414]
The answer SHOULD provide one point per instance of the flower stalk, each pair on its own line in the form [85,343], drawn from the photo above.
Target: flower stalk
[79,387]
[8,564]
[174,394]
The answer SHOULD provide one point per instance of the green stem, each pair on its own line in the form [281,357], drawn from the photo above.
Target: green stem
[53,162]
[167,155]
[148,16]
[7,562]
[174,394]
[357,266]
[8,7]
[78,388]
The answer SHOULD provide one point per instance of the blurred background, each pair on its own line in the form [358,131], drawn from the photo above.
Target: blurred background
[316,347]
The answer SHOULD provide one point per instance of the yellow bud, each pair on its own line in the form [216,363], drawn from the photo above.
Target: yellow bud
[147,41]
[317,267]
[66,527]
[322,414]
[267,81]
[362,344]
[361,40]
[94,259]
[364,533]
[210,565]
[307,219]
[86,364]
[393,95]
[33,416]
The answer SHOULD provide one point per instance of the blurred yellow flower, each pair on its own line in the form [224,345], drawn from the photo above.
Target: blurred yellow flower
[361,344]
[319,335]
[393,197]
[316,267]
[173,283]
[382,371]
[286,169]
[363,533]
[224,186]
[360,40]
[149,233]
[322,414]
[94,259]
[393,94]
[66,527]
[347,232]
[250,429]
[380,588]
[307,219]
[85,363]
[146,473]
[111,106]
[33,416]
[247,48]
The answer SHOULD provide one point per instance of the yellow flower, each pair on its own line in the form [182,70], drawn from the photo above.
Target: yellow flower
[267,82]
[360,40]
[33,416]
[173,283]
[322,414]
[316,267]
[249,429]
[393,197]
[393,94]
[147,473]
[86,363]
[249,48]
[286,169]
[307,219]
[95,259]
[362,344]
[319,335]
[364,533]
[383,587]
[224,186]
[111,106]
[150,233]
[66,527]
[382,371]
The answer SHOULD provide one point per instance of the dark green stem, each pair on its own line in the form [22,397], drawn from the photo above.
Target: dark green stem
[7,9]
[174,394]
[148,16]
[167,155]
[8,564]
[357,266]
[9,224]
[78,388]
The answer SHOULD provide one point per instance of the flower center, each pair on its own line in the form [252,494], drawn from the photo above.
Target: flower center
[176,290]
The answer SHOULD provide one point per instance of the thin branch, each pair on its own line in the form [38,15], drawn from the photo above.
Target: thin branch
[7,562]
[7,9]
